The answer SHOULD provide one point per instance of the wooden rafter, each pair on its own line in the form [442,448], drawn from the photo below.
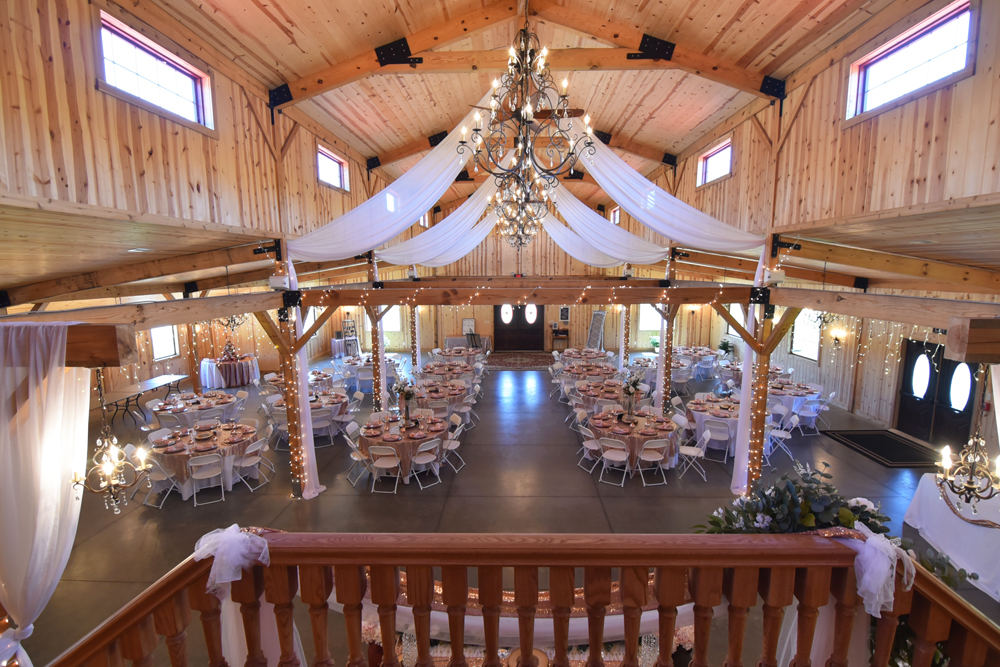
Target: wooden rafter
[747,337]
[779,331]
[272,332]
[629,37]
[311,331]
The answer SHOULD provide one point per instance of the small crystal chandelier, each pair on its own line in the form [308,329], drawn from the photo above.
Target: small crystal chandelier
[113,473]
[970,478]
[233,322]
[530,120]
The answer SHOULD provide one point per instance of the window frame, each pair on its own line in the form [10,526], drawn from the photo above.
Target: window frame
[742,319]
[703,163]
[819,338]
[177,344]
[160,46]
[425,220]
[615,216]
[650,307]
[345,186]
[398,310]
[898,36]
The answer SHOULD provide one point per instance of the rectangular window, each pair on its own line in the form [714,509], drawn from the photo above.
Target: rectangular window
[425,220]
[332,169]
[148,72]
[716,163]
[929,52]
[737,312]
[649,319]
[616,215]
[806,335]
[390,321]
[164,341]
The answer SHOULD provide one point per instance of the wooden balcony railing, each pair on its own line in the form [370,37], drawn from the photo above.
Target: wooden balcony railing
[685,568]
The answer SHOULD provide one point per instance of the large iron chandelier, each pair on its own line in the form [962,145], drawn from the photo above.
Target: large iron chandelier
[113,474]
[526,138]
[970,477]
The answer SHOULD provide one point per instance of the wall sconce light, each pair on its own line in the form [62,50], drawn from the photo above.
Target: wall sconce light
[694,308]
[838,336]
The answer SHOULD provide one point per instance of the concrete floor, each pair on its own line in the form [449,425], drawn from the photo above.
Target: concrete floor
[521,476]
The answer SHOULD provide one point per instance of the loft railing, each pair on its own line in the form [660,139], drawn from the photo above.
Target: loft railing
[685,568]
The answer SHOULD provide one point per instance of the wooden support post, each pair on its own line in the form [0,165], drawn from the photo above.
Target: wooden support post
[295,403]
[351,587]
[378,364]
[758,416]
[192,356]
[626,315]
[666,356]
[415,337]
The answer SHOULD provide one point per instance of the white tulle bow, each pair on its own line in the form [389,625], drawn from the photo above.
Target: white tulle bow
[234,551]
[875,570]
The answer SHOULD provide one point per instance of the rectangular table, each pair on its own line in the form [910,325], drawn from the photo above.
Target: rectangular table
[462,341]
[129,395]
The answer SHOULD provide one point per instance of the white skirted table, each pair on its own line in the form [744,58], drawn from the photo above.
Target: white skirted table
[219,374]
[970,547]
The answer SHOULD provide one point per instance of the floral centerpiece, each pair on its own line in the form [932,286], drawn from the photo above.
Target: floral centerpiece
[630,388]
[406,391]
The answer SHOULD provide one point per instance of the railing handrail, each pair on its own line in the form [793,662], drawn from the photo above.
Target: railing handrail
[545,550]
[957,607]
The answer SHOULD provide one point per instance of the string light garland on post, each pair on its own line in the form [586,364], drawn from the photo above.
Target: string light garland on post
[970,477]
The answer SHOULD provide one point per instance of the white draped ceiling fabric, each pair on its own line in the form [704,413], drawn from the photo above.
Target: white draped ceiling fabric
[657,209]
[45,407]
[576,247]
[467,244]
[391,211]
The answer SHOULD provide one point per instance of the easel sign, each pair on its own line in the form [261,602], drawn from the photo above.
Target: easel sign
[468,325]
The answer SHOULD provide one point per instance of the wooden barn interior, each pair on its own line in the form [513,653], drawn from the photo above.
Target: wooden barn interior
[164,167]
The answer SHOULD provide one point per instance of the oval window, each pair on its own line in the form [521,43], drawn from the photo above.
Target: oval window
[961,387]
[921,376]
[531,313]
[506,313]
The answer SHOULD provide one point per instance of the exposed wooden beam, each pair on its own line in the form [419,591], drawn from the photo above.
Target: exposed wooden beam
[100,345]
[899,264]
[749,266]
[272,332]
[689,60]
[973,341]
[558,60]
[361,65]
[311,331]
[779,331]
[132,272]
[747,337]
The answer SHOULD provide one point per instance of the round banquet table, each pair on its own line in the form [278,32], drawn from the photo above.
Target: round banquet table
[635,438]
[428,394]
[229,440]
[700,414]
[580,356]
[336,402]
[460,355]
[406,447]
[792,398]
[592,394]
[648,370]
[189,407]
[220,374]
[448,371]
[583,371]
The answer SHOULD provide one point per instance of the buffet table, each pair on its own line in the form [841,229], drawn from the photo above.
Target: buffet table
[462,341]
[219,374]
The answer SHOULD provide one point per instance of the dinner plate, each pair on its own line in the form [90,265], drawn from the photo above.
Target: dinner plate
[620,430]
[163,442]
[229,427]
[392,437]
[204,435]
[698,408]
[664,427]
[175,449]
[437,428]
[417,435]
[647,431]
[233,439]
[201,449]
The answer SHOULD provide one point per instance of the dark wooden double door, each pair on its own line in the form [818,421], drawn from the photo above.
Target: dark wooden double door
[934,405]
[518,333]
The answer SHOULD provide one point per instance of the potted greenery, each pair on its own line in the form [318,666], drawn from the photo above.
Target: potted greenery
[726,347]
[654,341]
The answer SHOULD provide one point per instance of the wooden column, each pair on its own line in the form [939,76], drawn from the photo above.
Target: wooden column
[670,588]
[705,584]
[415,337]
[490,597]
[316,583]
[378,368]
[664,369]
[844,587]
[210,610]
[634,586]
[351,588]
[812,589]
[758,416]
[192,355]
[626,332]
[294,406]
[562,595]
[280,585]
[170,620]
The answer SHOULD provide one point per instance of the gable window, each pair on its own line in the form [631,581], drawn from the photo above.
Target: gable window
[716,163]
[425,220]
[737,312]
[649,319]
[332,169]
[615,216]
[935,52]
[164,342]
[144,73]
[806,335]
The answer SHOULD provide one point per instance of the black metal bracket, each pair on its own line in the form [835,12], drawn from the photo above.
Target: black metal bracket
[378,284]
[777,244]
[282,314]
[939,331]
[653,48]
[773,87]
[463,177]
[677,253]
[861,283]
[760,295]
[291,298]
[190,288]
[605,137]
[373,163]
[664,283]
[280,95]
[600,208]
[769,311]
[275,247]
[5,299]
[574,175]
[437,209]
[435,139]
[669,160]
[396,53]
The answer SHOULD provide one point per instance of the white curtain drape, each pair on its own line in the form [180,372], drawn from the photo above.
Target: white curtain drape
[45,406]
[576,247]
[604,234]
[659,210]
[310,486]
[466,244]
[445,235]
[392,210]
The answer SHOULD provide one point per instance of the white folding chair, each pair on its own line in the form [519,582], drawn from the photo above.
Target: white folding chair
[440,409]
[206,467]
[691,456]
[718,433]
[359,459]
[683,428]
[427,454]
[779,437]
[251,460]
[614,455]
[807,415]
[384,460]
[170,421]
[450,446]
[322,423]
[653,452]
[590,450]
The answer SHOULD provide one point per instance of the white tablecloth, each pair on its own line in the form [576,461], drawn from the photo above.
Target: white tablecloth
[972,548]
[212,377]
[731,422]
[792,403]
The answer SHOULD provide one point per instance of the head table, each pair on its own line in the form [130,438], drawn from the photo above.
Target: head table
[223,373]
[405,441]
[580,356]
[188,407]
[635,435]
[173,452]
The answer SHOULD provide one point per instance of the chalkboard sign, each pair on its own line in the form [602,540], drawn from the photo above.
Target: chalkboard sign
[595,339]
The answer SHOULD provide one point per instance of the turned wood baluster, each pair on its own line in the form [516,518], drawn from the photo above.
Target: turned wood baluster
[138,643]
[351,585]
[931,624]
[490,597]
[706,591]
[171,620]
[992,657]
[526,599]
[316,582]
[246,592]
[885,629]
[209,609]
[281,583]
[109,656]
[739,584]
[844,587]
[777,588]
[964,648]
[597,595]
[385,593]
[419,595]
[812,589]
[634,586]
[455,593]
[562,594]
[670,588]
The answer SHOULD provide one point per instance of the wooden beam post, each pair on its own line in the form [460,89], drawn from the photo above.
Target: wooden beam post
[415,337]
[626,331]
[758,404]
[665,370]
[192,356]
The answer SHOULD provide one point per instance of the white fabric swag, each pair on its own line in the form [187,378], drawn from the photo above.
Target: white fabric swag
[603,234]
[659,210]
[444,236]
[466,244]
[576,247]
[45,406]
[392,210]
